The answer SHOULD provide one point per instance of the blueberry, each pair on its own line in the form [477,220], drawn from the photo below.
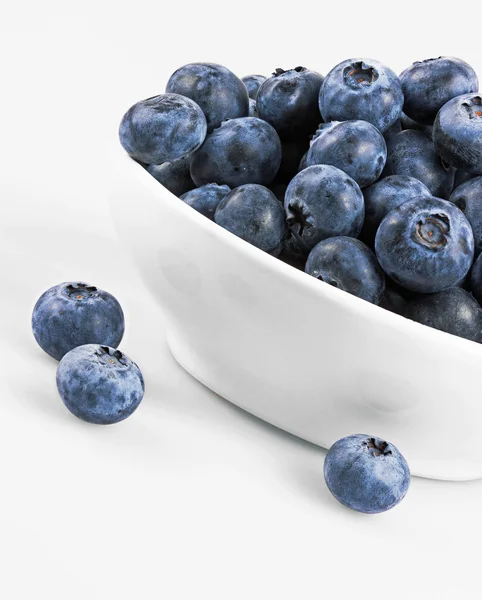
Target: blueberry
[454,311]
[322,202]
[366,473]
[361,89]
[457,133]
[468,197]
[253,109]
[253,213]
[289,101]
[476,279]
[385,195]
[392,299]
[162,128]
[347,264]
[72,314]
[392,131]
[461,177]
[429,84]
[293,253]
[205,199]
[240,151]
[99,384]
[292,152]
[220,94]
[412,153]
[175,175]
[252,83]
[355,147]
[408,123]
[425,244]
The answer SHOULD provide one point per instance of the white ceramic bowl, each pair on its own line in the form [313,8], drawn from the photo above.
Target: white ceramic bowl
[302,355]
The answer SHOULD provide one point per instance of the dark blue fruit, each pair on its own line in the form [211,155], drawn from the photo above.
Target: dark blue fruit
[426,245]
[454,311]
[366,473]
[252,83]
[476,279]
[289,101]
[253,109]
[412,154]
[349,265]
[429,84]
[240,151]
[206,198]
[457,133]
[253,213]
[293,253]
[322,202]
[361,89]
[175,175]
[408,123]
[355,147]
[220,94]
[99,384]
[162,128]
[468,197]
[385,195]
[461,177]
[392,299]
[72,314]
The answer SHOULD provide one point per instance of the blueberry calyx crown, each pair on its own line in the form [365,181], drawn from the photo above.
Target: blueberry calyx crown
[115,356]
[299,220]
[279,71]
[377,447]
[80,290]
[431,231]
[473,107]
[360,74]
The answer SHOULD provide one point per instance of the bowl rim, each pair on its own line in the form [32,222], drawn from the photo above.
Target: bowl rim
[353,304]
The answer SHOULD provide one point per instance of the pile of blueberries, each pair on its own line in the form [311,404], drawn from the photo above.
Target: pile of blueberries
[81,326]
[368,181]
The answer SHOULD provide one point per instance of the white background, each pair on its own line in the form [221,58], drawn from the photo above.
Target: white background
[191,497]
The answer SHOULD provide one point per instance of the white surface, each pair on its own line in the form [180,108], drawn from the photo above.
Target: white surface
[190,498]
[309,358]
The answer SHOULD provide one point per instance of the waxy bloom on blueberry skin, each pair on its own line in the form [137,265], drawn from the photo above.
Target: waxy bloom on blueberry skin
[361,88]
[220,94]
[162,128]
[366,473]
[206,198]
[71,314]
[454,311]
[253,213]
[99,384]
[288,100]
[253,83]
[321,202]
[241,151]
[426,245]
[349,265]
[431,83]
[355,147]
[457,133]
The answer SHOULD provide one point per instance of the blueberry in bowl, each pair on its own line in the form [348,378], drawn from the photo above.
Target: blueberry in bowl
[426,245]
[457,133]
[321,202]
[288,100]
[429,84]
[214,88]
[253,83]
[468,197]
[355,147]
[362,89]
[205,199]
[174,175]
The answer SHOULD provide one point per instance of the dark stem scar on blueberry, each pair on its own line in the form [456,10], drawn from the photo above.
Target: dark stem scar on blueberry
[359,73]
[328,281]
[432,231]
[473,107]
[299,220]
[379,447]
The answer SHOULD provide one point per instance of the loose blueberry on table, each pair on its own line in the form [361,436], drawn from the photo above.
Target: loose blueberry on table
[230,147]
